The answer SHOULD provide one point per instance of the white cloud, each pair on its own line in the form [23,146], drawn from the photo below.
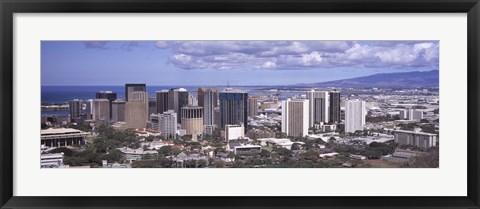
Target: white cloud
[284,55]
[269,65]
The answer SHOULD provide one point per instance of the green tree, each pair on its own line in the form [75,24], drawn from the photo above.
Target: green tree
[202,163]
[165,151]
[296,146]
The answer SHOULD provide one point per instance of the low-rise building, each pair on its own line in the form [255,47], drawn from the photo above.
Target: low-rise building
[415,138]
[54,160]
[246,149]
[136,154]
[328,155]
[278,142]
[401,155]
[62,137]
[233,132]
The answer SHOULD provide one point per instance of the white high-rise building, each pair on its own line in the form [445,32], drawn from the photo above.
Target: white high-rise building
[89,109]
[295,120]
[355,113]
[318,105]
[167,124]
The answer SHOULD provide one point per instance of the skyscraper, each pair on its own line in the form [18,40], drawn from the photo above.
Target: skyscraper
[217,117]
[118,110]
[89,109]
[152,106]
[201,92]
[75,109]
[192,120]
[252,106]
[167,124]
[295,117]
[111,96]
[354,115]
[101,109]
[136,110]
[318,107]
[334,108]
[233,107]
[207,98]
[192,100]
[131,87]
[177,98]
[162,100]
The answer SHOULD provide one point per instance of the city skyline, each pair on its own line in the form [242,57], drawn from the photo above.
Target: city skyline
[231,104]
[218,63]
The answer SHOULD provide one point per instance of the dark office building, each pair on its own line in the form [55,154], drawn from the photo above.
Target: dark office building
[131,87]
[152,106]
[177,98]
[111,96]
[334,109]
[233,108]
[162,101]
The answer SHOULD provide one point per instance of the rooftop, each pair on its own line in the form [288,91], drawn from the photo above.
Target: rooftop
[414,132]
[60,131]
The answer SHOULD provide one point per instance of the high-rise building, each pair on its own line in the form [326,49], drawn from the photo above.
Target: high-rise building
[177,98]
[152,106]
[295,117]
[162,101]
[167,124]
[136,110]
[131,87]
[252,106]
[334,108]
[75,109]
[233,107]
[118,110]
[192,120]
[318,107]
[411,114]
[192,100]
[355,113]
[201,92]
[207,98]
[217,117]
[111,96]
[89,109]
[101,109]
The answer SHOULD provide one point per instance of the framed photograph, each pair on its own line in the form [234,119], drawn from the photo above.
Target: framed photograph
[236,104]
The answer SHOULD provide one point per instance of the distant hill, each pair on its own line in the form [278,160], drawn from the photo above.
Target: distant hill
[386,80]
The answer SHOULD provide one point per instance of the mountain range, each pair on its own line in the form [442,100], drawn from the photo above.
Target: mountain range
[386,80]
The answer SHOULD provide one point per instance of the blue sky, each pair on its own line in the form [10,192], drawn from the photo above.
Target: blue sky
[179,63]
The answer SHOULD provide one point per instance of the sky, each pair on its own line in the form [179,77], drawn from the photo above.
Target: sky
[191,63]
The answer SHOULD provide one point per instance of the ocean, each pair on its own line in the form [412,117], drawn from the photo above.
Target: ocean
[63,94]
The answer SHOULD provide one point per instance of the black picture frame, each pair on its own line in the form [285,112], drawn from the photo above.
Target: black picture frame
[10,7]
